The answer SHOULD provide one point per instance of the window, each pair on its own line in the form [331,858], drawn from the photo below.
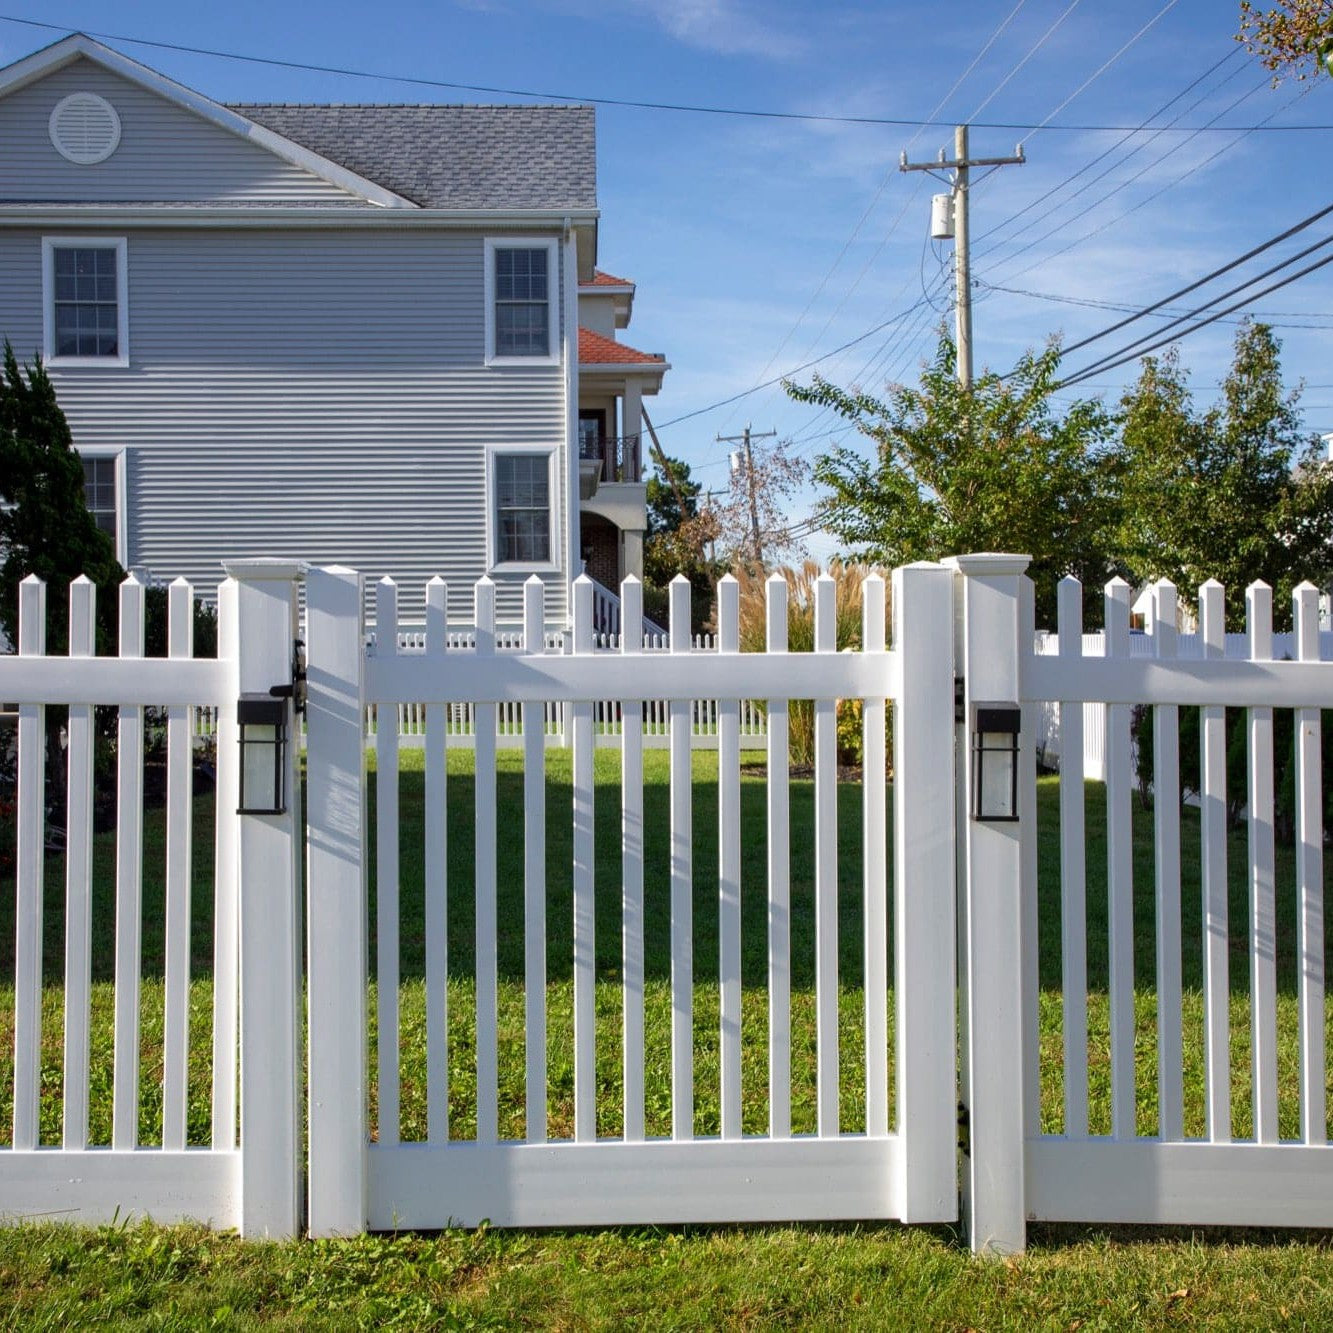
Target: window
[521,500]
[592,431]
[84,316]
[103,488]
[522,279]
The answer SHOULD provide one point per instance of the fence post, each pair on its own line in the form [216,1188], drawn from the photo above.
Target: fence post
[336,889]
[270,945]
[923,852]
[989,649]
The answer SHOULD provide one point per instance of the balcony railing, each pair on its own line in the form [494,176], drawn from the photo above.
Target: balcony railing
[618,455]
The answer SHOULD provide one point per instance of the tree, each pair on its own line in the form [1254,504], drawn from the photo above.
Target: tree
[991,468]
[1236,493]
[1294,39]
[45,526]
[757,506]
[678,538]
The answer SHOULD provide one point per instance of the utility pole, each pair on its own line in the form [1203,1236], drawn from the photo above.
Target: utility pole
[959,230]
[744,439]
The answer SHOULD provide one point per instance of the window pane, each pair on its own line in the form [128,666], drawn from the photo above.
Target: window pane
[522,314]
[522,507]
[86,301]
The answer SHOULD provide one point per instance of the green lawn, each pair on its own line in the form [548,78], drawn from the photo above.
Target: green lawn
[727,1275]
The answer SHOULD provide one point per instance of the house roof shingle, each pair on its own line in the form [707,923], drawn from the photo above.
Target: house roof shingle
[602,279]
[465,157]
[595,350]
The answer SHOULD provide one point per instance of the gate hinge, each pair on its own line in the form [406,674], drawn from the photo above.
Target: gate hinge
[964,1130]
[959,712]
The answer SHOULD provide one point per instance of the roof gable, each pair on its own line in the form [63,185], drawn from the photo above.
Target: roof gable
[51,60]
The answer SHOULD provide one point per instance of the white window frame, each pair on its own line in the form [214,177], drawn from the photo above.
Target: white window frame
[50,244]
[553,272]
[493,563]
[95,452]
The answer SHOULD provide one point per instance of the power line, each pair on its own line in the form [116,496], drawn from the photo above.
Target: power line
[1258,277]
[1106,152]
[787,374]
[1147,199]
[1208,277]
[1270,317]
[1092,78]
[1041,41]
[1098,367]
[344,71]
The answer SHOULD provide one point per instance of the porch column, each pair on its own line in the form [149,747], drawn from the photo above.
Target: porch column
[631,417]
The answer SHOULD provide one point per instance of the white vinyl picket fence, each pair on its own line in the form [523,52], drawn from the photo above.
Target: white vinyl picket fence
[891,1167]
[456,1120]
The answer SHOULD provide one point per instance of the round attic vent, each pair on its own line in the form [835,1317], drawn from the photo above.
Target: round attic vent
[85,128]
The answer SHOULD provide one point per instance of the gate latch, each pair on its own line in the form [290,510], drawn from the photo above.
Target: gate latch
[964,1130]
[959,712]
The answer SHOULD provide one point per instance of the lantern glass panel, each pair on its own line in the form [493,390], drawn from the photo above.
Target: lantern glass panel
[996,759]
[258,768]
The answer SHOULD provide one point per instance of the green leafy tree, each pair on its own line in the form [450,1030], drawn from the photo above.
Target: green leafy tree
[45,526]
[991,468]
[1237,493]
[1294,39]
[678,538]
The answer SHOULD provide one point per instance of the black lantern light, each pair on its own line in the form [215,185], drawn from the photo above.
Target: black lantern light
[262,723]
[995,729]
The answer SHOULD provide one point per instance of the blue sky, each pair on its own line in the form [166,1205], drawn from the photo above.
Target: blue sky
[759,244]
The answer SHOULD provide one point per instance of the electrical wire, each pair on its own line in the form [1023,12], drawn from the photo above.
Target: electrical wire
[1092,78]
[1259,277]
[1106,152]
[1269,317]
[344,71]
[1147,199]
[889,175]
[1099,367]
[1041,41]
[1259,249]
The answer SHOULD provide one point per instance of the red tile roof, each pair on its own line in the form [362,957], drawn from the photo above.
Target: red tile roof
[595,350]
[600,279]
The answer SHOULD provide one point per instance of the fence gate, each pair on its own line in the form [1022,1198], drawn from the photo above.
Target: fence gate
[629,1076]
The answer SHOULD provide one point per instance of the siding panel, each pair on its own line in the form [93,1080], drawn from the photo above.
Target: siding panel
[166,153]
[311,395]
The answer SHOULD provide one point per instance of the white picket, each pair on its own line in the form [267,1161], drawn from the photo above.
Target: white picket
[386,883]
[487,982]
[226,900]
[875,870]
[1073,875]
[29,856]
[78,874]
[1166,823]
[682,881]
[585,969]
[1029,924]
[826,875]
[1120,873]
[1263,888]
[437,876]
[129,884]
[779,877]
[534,876]
[631,842]
[1310,881]
[729,867]
[1213,871]
[176,1007]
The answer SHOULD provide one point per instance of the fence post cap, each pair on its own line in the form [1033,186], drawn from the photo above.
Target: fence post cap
[989,564]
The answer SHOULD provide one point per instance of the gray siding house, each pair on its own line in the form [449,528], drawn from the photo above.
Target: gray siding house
[329,333]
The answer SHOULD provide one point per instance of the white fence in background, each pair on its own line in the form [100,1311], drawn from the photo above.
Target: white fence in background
[460,717]
[1136,1145]
[1049,739]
